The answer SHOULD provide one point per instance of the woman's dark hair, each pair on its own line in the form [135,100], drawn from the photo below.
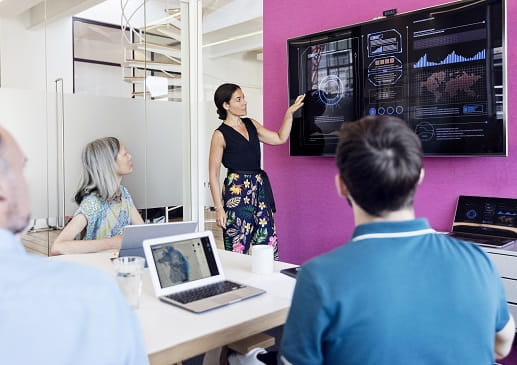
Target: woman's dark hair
[380,158]
[222,95]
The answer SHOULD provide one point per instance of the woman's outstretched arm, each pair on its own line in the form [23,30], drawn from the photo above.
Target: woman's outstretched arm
[279,137]
[65,243]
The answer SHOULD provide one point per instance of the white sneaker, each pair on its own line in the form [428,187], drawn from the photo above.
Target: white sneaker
[249,359]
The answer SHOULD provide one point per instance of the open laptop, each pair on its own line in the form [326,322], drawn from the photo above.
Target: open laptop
[487,221]
[186,271]
[133,236]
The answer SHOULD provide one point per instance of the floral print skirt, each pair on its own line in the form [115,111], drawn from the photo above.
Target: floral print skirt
[249,220]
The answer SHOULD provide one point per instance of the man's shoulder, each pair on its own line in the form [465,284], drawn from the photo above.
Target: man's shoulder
[467,250]
[328,262]
[46,299]
[68,279]
[460,245]
[355,256]
[81,274]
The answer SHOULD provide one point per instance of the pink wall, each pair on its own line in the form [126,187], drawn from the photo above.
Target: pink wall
[311,219]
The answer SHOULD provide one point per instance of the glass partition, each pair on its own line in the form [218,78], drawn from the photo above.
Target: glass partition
[127,83]
[115,69]
[159,56]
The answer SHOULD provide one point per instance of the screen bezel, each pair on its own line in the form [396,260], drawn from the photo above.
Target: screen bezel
[298,147]
[159,291]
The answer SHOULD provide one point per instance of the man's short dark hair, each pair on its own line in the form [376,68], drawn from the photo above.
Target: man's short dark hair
[380,158]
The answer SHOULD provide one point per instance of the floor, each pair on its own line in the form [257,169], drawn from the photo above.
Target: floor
[275,332]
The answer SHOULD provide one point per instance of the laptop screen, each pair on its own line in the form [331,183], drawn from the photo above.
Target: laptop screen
[486,216]
[184,261]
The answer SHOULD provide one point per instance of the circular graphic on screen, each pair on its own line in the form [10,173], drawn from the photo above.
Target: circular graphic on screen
[425,131]
[471,214]
[372,111]
[390,110]
[330,90]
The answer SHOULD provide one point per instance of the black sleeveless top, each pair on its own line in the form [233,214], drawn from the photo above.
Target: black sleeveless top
[241,154]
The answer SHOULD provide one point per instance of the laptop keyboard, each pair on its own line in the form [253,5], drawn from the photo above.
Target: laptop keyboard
[204,292]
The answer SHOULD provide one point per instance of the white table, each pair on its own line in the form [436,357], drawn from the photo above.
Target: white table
[172,334]
[505,259]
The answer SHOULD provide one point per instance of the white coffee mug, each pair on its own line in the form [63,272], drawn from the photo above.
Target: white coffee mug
[262,259]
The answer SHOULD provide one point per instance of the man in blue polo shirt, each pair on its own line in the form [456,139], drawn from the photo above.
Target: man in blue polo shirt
[398,292]
[52,312]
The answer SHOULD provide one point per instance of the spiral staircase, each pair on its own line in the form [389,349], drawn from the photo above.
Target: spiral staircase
[152,54]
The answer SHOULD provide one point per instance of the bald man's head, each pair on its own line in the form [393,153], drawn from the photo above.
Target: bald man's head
[14,197]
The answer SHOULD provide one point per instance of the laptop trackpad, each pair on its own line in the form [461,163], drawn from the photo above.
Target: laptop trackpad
[226,298]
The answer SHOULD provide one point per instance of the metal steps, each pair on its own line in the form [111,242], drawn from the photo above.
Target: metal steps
[167,30]
[169,64]
[158,66]
[157,48]
[173,93]
[169,20]
[172,81]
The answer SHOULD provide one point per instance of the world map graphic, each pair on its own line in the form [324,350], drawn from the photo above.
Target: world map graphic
[449,85]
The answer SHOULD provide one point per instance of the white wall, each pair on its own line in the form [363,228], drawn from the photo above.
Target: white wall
[22,55]
[34,58]
[23,113]
[59,53]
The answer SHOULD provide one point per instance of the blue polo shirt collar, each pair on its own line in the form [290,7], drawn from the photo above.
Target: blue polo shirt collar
[390,229]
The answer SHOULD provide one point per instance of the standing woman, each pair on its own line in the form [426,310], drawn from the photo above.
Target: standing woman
[105,206]
[245,209]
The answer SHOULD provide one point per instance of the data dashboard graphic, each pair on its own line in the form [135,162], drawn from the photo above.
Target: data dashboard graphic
[440,69]
[329,79]
[476,214]
[450,59]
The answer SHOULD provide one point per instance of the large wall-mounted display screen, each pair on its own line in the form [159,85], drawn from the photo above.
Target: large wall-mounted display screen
[441,69]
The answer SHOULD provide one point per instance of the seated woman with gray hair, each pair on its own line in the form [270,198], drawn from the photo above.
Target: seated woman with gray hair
[105,206]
